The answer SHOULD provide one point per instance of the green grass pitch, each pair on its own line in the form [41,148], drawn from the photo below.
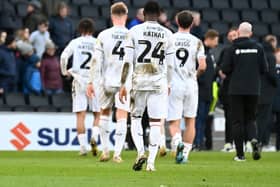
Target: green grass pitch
[59,169]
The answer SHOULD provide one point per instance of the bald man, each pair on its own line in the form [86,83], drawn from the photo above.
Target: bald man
[245,62]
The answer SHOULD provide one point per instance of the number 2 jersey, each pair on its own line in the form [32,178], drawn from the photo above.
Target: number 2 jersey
[82,49]
[109,53]
[149,51]
[188,49]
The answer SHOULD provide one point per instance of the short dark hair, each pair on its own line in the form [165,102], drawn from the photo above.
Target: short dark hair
[43,22]
[232,29]
[184,19]
[86,26]
[152,8]
[10,39]
[211,33]
[119,9]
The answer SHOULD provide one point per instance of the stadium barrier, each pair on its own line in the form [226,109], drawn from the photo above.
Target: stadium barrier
[43,131]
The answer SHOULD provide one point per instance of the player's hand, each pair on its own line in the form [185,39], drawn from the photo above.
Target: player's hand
[222,75]
[123,95]
[90,90]
[169,90]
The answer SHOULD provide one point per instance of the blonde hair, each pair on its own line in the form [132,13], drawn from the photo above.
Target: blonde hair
[119,9]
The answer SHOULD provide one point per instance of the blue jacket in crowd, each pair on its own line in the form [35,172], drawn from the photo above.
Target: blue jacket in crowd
[8,68]
[61,31]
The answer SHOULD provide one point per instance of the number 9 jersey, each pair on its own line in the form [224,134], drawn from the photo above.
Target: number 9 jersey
[188,49]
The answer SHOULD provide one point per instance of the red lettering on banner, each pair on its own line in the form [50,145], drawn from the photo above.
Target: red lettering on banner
[20,131]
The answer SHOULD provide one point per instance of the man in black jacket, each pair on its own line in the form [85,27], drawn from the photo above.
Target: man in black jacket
[223,92]
[205,88]
[268,91]
[245,63]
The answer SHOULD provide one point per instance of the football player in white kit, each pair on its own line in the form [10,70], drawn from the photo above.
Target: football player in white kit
[109,53]
[183,99]
[147,56]
[82,49]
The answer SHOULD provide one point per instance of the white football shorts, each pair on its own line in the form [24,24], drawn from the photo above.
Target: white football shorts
[183,102]
[80,100]
[155,101]
[110,96]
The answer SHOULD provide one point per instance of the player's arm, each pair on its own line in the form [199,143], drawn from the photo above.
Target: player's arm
[170,60]
[201,59]
[97,60]
[66,54]
[127,69]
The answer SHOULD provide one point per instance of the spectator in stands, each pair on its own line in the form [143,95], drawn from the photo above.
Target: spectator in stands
[223,92]
[31,74]
[163,20]
[23,35]
[139,18]
[272,40]
[39,38]
[61,27]
[196,28]
[276,102]
[268,91]
[205,88]
[50,70]
[33,16]
[8,65]
[3,36]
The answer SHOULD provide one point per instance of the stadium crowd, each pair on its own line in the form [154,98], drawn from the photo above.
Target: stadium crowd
[29,63]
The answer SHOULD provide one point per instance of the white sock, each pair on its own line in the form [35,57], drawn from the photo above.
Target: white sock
[154,141]
[176,139]
[187,149]
[162,140]
[82,141]
[120,135]
[137,135]
[95,132]
[104,133]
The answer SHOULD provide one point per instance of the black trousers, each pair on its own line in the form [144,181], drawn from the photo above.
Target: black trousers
[277,115]
[228,129]
[243,115]
[264,121]
[208,133]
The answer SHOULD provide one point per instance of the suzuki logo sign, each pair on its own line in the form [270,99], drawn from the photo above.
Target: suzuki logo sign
[20,131]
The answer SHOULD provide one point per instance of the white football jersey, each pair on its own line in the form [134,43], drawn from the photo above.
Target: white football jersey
[82,49]
[109,52]
[188,49]
[147,49]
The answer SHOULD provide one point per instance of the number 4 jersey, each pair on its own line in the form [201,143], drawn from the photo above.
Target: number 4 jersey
[109,52]
[149,50]
[188,49]
[82,49]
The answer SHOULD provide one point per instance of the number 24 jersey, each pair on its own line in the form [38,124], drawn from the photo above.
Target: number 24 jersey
[148,49]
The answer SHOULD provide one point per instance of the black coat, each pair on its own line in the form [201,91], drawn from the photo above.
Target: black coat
[269,79]
[245,61]
[224,84]
[61,31]
[276,101]
[206,79]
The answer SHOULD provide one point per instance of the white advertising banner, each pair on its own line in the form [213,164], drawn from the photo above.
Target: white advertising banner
[43,131]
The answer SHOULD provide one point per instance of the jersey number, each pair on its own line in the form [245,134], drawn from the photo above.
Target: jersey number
[85,63]
[156,53]
[117,50]
[182,54]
